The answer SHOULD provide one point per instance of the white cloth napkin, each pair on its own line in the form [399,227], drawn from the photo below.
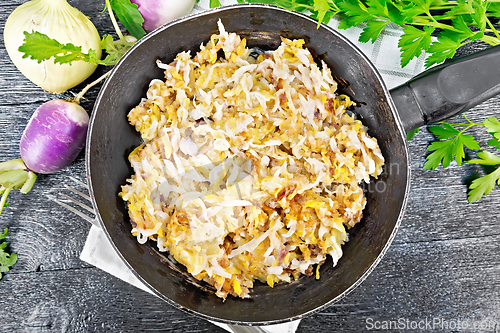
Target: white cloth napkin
[384,53]
[99,252]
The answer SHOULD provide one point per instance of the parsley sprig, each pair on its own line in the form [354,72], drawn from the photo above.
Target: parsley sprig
[455,22]
[6,260]
[451,145]
[452,141]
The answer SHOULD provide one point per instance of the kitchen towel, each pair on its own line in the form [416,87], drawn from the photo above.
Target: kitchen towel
[384,54]
[99,252]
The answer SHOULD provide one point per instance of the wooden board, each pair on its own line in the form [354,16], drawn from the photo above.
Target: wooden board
[444,262]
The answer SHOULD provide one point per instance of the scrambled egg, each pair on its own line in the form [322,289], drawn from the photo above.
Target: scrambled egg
[250,167]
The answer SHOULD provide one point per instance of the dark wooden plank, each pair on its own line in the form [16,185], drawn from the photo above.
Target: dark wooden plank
[395,290]
[448,280]
[92,301]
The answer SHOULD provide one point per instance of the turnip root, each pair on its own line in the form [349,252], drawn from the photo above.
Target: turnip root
[54,136]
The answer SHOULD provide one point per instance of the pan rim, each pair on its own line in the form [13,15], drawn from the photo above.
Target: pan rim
[398,124]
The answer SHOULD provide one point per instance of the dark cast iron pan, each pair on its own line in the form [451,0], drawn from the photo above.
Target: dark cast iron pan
[431,97]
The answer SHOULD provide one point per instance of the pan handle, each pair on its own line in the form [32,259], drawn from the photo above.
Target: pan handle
[448,89]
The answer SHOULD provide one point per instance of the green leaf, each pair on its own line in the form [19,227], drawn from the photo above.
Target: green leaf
[463,33]
[438,3]
[441,50]
[349,22]
[493,127]
[6,260]
[4,234]
[413,42]
[409,11]
[325,19]
[395,14]
[494,143]
[377,8]
[477,35]
[486,158]
[469,142]
[440,150]
[445,151]
[40,47]
[458,152]
[461,141]
[129,15]
[493,9]
[115,49]
[411,134]
[372,31]
[214,3]
[444,131]
[479,14]
[352,8]
[354,13]
[483,185]
[321,7]
[422,5]
[67,58]
[460,8]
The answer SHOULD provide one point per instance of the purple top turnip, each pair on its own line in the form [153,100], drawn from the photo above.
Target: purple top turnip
[159,12]
[54,136]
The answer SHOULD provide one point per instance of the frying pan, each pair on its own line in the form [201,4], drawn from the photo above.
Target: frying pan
[430,97]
